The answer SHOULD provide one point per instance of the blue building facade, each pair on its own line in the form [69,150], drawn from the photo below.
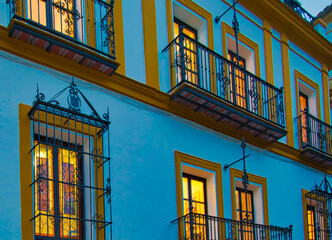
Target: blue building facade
[119,120]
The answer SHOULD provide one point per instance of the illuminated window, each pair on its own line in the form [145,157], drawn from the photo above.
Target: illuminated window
[61,15]
[238,86]
[58,173]
[304,109]
[194,200]
[311,222]
[245,213]
[70,188]
[189,50]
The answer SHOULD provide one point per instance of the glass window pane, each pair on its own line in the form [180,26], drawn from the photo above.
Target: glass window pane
[185,187]
[68,193]
[197,190]
[44,190]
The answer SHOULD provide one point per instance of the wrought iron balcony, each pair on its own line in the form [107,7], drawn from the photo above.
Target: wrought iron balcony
[211,84]
[315,138]
[204,227]
[67,28]
[296,6]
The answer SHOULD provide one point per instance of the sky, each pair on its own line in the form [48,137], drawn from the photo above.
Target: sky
[315,6]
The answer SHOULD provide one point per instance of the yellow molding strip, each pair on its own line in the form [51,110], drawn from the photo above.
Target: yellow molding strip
[320,21]
[287,89]
[138,91]
[326,94]
[25,173]
[150,43]
[119,36]
[235,173]
[305,219]
[268,52]
[228,30]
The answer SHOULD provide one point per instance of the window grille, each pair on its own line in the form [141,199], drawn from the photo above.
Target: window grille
[71,168]
[319,211]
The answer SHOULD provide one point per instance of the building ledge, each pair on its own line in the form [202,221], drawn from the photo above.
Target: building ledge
[317,156]
[34,34]
[208,104]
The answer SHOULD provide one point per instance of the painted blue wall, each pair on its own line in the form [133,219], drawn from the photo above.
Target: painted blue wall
[143,141]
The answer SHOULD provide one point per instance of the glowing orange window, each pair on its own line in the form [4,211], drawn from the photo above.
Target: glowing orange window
[190,50]
[245,213]
[304,109]
[194,201]
[59,15]
[57,207]
[237,80]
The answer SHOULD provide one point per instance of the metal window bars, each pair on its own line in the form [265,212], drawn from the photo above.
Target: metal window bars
[194,226]
[71,181]
[319,202]
[195,64]
[314,133]
[82,22]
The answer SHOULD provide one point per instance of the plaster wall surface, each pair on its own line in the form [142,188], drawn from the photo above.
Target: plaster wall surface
[143,142]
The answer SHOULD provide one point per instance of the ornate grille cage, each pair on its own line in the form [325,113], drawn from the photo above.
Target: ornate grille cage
[71,168]
[319,211]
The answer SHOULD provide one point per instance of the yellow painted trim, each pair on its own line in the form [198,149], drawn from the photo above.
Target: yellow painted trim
[204,164]
[312,84]
[119,37]
[287,21]
[235,173]
[268,52]
[320,21]
[287,89]
[25,173]
[228,30]
[90,23]
[305,220]
[326,94]
[150,43]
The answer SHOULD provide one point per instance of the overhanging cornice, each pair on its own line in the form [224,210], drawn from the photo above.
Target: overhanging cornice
[285,20]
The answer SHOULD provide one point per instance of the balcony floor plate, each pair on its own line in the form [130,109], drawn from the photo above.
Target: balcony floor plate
[222,111]
[27,31]
[317,156]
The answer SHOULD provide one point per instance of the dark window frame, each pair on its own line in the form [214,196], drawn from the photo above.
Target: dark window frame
[56,200]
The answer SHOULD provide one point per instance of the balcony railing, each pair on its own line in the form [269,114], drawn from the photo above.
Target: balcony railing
[300,10]
[203,227]
[195,64]
[314,133]
[73,20]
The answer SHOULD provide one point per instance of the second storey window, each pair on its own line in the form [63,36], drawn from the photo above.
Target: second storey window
[238,86]
[189,50]
[60,15]
[304,108]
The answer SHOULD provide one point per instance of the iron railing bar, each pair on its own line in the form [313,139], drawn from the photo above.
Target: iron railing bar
[71,218]
[68,183]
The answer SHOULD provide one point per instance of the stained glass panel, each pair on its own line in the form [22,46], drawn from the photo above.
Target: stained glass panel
[44,189]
